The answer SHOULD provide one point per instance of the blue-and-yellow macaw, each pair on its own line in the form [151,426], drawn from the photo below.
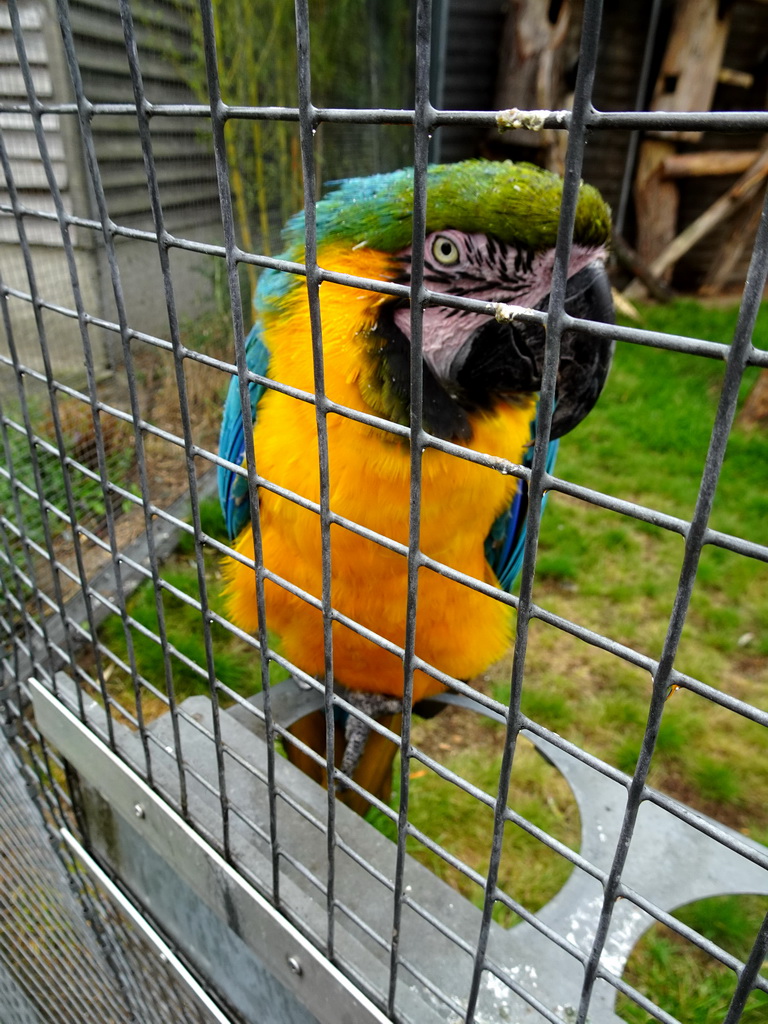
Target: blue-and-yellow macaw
[491,230]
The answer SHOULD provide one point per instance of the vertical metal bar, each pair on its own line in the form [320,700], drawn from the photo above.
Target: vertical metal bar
[9,649]
[572,180]
[12,594]
[438,58]
[12,585]
[35,111]
[694,541]
[423,121]
[218,121]
[307,128]
[181,385]
[85,114]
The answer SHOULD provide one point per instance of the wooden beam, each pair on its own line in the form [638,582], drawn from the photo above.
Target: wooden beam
[630,260]
[745,188]
[741,79]
[734,248]
[656,200]
[708,163]
[691,65]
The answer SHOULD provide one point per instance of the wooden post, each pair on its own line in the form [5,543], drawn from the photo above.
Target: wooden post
[748,185]
[686,82]
[656,201]
[531,66]
[691,66]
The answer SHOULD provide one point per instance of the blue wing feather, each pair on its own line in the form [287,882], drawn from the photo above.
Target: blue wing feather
[233,488]
[505,543]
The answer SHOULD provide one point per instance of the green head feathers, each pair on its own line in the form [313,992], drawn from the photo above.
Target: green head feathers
[515,202]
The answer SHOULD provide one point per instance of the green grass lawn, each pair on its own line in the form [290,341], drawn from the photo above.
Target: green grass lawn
[645,442]
[236,663]
[687,983]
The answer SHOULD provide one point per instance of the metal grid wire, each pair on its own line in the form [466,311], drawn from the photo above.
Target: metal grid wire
[72,949]
[52,605]
[37,933]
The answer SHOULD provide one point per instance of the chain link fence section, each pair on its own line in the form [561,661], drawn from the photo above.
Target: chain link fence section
[53,967]
[72,948]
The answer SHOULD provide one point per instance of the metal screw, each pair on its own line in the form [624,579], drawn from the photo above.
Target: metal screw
[138,810]
[295,965]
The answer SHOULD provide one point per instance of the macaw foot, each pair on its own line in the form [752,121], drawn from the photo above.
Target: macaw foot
[356,732]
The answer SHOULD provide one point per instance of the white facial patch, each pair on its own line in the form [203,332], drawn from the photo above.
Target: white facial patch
[480,268]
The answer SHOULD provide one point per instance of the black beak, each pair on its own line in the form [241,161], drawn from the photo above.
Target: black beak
[508,358]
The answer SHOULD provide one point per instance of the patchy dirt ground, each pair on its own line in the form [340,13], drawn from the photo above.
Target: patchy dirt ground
[165,459]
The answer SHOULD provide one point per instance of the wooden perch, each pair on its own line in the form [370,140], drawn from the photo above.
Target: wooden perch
[734,248]
[708,163]
[631,261]
[755,410]
[745,188]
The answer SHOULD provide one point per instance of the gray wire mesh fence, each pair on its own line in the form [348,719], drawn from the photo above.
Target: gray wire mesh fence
[38,934]
[194,873]
[70,950]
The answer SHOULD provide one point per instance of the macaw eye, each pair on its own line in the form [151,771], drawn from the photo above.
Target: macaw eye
[445,250]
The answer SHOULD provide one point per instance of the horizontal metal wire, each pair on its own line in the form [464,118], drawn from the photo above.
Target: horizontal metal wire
[633,335]
[737,121]
[591,637]
[690,817]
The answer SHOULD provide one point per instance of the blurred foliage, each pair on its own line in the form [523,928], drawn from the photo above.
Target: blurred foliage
[357,60]
[73,470]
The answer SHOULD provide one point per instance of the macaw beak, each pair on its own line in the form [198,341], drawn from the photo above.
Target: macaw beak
[509,357]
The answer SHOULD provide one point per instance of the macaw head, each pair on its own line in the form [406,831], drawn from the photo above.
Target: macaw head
[491,232]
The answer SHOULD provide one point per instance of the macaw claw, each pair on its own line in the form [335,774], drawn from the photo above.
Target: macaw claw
[356,731]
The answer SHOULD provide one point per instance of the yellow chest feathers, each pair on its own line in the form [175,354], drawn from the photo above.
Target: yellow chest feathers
[458,630]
